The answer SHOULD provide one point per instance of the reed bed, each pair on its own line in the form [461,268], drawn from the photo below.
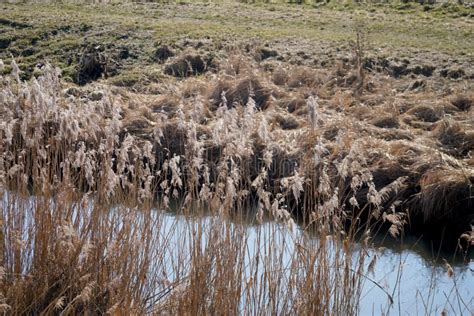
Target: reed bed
[71,255]
[80,178]
[230,145]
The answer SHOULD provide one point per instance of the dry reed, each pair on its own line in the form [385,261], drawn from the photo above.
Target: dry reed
[73,172]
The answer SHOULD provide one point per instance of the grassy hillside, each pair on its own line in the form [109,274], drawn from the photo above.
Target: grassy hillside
[61,33]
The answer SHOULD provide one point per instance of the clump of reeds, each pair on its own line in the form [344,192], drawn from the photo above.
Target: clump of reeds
[67,255]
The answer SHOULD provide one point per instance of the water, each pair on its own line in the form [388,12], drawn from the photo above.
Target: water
[416,279]
[417,285]
[408,278]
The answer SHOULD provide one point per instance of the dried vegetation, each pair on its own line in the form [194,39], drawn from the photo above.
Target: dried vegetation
[335,151]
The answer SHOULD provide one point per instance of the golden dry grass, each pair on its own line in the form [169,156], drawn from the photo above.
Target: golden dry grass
[313,147]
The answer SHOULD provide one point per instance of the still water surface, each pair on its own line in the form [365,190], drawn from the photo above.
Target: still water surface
[409,272]
[412,274]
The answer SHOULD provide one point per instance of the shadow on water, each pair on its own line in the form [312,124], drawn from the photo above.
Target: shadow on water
[431,246]
[433,249]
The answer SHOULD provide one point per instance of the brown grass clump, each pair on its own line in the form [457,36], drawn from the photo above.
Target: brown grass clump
[295,105]
[454,138]
[425,113]
[92,65]
[447,193]
[302,76]
[193,88]
[392,134]
[163,53]
[222,87]
[280,76]
[463,102]
[139,126]
[185,66]
[239,92]
[449,108]
[265,53]
[166,104]
[445,188]
[172,137]
[286,121]
[435,188]
[236,65]
[250,87]
[387,121]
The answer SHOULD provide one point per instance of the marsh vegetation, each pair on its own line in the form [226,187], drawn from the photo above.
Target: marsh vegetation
[285,158]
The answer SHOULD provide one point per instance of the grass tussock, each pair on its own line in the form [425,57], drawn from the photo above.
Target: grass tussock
[239,92]
[443,193]
[425,113]
[463,102]
[162,53]
[388,121]
[185,66]
[455,138]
